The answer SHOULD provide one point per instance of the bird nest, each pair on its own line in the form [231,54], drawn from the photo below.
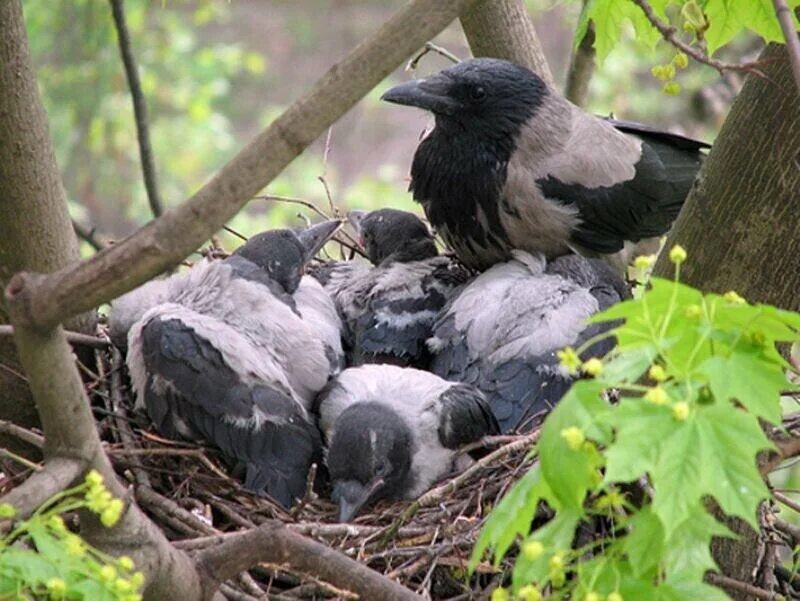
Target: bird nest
[187,490]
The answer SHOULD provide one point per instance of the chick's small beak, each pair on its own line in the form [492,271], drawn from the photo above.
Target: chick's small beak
[315,237]
[430,94]
[352,496]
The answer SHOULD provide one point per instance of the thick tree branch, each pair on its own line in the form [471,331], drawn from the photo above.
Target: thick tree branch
[670,34]
[58,473]
[274,543]
[741,587]
[139,108]
[43,301]
[503,29]
[786,20]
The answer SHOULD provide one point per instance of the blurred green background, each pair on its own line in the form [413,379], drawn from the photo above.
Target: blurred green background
[215,73]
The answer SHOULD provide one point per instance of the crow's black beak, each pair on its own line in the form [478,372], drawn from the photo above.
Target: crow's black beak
[315,237]
[430,94]
[351,496]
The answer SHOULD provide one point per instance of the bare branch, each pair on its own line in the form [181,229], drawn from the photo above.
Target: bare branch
[741,587]
[43,301]
[72,338]
[430,47]
[88,236]
[58,473]
[518,41]
[139,108]
[670,34]
[274,543]
[25,435]
[787,448]
[790,34]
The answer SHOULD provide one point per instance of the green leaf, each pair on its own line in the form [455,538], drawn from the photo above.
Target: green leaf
[748,378]
[630,363]
[570,473]
[688,549]
[725,19]
[511,517]
[555,536]
[645,543]
[609,17]
[681,586]
[634,453]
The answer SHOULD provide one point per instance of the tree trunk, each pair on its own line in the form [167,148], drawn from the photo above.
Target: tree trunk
[503,29]
[740,223]
[32,200]
[581,68]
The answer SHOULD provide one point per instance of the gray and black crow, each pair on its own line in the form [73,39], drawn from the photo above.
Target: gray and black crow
[501,333]
[513,164]
[235,351]
[391,432]
[388,307]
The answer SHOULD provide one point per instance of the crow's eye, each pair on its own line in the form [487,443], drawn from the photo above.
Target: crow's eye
[477,93]
[381,468]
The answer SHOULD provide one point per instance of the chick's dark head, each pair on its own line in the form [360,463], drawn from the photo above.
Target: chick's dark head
[495,94]
[369,457]
[391,233]
[283,254]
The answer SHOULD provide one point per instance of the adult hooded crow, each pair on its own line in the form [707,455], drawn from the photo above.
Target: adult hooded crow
[512,164]
[391,432]
[502,331]
[234,353]
[388,307]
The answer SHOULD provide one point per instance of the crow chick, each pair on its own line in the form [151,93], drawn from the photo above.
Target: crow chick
[391,432]
[234,353]
[388,308]
[501,333]
[511,164]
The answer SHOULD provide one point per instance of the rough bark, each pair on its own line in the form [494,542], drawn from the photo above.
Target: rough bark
[161,244]
[503,29]
[33,204]
[740,223]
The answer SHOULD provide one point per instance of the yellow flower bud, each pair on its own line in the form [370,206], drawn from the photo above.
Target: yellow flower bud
[75,546]
[681,61]
[569,360]
[56,522]
[532,550]
[56,587]
[556,562]
[657,373]
[7,511]
[123,586]
[733,297]
[529,593]
[657,396]
[591,596]
[111,514]
[126,563]
[693,311]
[680,411]
[108,573]
[671,88]
[593,367]
[500,594]
[558,579]
[677,253]
[574,437]
[137,579]
[644,261]
[615,596]
[93,478]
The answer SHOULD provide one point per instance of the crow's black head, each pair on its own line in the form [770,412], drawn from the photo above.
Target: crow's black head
[491,95]
[369,457]
[283,255]
[389,233]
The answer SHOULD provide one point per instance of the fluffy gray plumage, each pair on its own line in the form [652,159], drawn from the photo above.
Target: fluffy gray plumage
[392,432]
[388,307]
[234,352]
[511,164]
[501,332]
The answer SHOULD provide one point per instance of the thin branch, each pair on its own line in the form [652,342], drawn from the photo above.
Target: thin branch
[670,34]
[23,434]
[741,587]
[411,65]
[785,500]
[274,543]
[57,474]
[581,67]
[787,449]
[789,530]
[88,236]
[139,108]
[43,301]
[72,338]
[790,34]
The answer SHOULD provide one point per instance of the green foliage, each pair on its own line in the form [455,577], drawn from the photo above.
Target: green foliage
[695,373]
[40,558]
[713,23]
